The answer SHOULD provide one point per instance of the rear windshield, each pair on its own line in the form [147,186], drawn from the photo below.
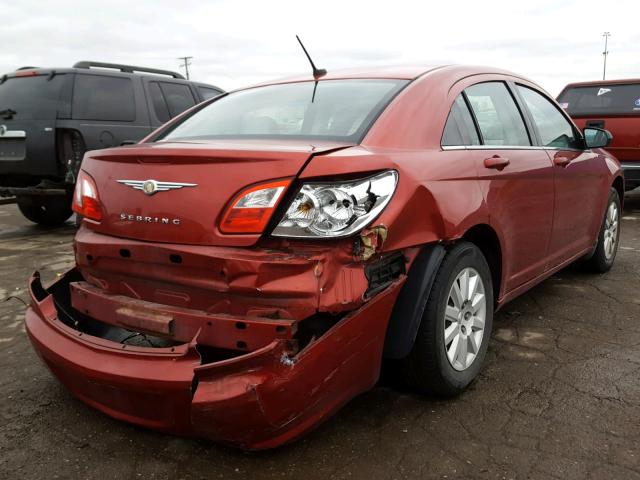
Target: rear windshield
[621,99]
[328,110]
[32,97]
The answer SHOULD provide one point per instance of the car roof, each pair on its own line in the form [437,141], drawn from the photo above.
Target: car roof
[400,72]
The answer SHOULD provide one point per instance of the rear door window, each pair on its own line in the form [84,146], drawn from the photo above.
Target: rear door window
[460,129]
[97,97]
[554,129]
[159,104]
[497,114]
[621,99]
[178,97]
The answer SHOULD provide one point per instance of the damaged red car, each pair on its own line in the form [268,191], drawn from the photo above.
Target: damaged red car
[244,270]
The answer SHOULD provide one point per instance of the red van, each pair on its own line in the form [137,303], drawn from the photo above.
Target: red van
[614,105]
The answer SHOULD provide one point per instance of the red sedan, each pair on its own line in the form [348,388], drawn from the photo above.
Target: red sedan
[243,271]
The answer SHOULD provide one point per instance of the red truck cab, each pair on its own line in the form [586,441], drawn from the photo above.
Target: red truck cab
[614,105]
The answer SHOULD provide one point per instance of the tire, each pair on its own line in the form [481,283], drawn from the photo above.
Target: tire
[609,237]
[48,211]
[428,367]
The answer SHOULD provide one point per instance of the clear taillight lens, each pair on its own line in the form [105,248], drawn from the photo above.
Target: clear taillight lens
[337,209]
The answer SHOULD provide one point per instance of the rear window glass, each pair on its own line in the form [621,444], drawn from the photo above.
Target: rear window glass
[97,97]
[602,99]
[32,97]
[330,109]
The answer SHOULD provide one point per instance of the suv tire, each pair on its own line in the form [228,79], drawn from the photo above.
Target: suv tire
[48,211]
[437,365]
[609,237]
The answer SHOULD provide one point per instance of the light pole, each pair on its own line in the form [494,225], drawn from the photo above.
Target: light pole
[606,36]
[185,64]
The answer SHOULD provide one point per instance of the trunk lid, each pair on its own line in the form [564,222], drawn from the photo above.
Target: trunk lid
[188,215]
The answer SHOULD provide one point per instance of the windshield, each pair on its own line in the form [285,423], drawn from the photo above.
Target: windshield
[33,96]
[623,99]
[326,110]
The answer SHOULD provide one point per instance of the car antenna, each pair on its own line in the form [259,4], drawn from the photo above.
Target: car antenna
[317,72]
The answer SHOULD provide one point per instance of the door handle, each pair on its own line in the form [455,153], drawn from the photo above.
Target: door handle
[561,161]
[496,162]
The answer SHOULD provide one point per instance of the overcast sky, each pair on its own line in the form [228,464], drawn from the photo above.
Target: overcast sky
[236,43]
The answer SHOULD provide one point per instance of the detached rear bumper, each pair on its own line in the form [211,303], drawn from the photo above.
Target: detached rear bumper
[255,400]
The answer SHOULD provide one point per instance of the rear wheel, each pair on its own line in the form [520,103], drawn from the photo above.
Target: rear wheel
[456,325]
[48,211]
[605,253]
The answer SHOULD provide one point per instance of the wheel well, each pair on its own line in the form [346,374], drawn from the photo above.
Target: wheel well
[485,238]
[618,184]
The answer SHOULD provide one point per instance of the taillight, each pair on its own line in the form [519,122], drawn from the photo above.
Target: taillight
[86,201]
[251,210]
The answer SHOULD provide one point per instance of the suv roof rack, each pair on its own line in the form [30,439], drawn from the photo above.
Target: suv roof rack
[126,68]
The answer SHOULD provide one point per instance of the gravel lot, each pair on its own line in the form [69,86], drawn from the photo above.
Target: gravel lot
[559,397]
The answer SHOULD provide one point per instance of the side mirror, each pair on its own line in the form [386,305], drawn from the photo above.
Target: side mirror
[128,142]
[597,137]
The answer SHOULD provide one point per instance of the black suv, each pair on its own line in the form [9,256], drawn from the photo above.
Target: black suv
[50,117]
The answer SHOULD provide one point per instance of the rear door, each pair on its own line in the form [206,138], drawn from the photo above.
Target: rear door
[31,101]
[516,179]
[578,175]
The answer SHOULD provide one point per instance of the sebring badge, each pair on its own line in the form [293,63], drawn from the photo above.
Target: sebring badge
[153,186]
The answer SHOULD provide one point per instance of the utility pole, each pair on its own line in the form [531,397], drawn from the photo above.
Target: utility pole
[606,36]
[187,62]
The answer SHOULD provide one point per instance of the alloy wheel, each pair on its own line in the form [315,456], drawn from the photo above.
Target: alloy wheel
[464,319]
[611,231]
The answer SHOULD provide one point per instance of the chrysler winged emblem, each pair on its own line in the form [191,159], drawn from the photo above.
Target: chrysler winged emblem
[150,186]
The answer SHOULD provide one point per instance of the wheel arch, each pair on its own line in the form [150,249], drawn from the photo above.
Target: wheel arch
[486,239]
[618,184]
[406,316]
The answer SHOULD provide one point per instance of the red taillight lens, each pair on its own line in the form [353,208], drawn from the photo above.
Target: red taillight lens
[86,201]
[251,210]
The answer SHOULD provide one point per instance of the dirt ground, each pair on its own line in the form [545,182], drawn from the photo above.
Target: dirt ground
[559,396]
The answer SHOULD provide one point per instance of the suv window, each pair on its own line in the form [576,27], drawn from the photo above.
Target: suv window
[97,97]
[208,93]
[170,99]
[497,114]
[602,99]
[159,105]
[460,129]
[33,96]
[554,129]
[178,97]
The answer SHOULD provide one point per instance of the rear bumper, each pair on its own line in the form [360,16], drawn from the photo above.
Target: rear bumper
[254,400]
[31,191]
[631,174]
